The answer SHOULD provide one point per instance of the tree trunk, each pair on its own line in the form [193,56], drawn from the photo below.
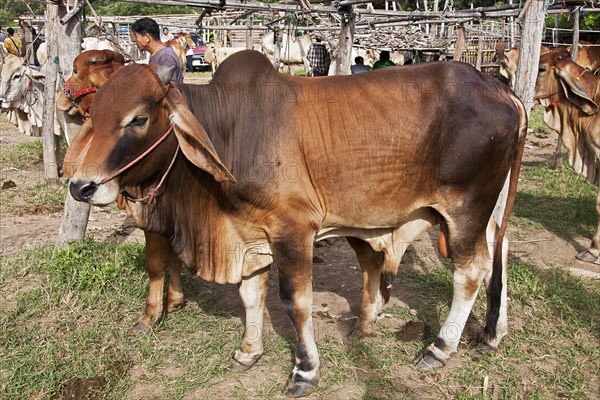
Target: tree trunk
[344,56]
[529,54]
[76,214]
[49,144]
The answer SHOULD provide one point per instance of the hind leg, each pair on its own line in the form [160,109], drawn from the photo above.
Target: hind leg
[468,276]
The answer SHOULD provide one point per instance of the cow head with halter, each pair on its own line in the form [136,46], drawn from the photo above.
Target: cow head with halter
[559,78]
[91,70]
[132,116]
[19,83]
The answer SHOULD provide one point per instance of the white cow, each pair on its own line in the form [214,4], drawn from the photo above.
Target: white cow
[22,95]
[22,92]
[290,51]
[93,43]
[223,52]
[210,54]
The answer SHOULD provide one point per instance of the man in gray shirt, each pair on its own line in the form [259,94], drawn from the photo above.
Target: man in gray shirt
[147,38]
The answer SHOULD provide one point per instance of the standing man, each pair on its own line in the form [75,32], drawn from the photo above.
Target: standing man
[147,38]
[12,44]
[384,60]
[319,59]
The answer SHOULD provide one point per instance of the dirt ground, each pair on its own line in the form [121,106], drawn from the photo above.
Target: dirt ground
[334,260]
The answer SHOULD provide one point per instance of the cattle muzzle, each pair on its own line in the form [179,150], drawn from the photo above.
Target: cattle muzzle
[83,191]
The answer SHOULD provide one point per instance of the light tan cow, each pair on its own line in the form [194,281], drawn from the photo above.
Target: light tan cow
[181,45]
[570,95]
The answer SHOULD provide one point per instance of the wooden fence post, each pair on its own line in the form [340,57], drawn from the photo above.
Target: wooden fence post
[529,54]
[76,214]
[344,56]
[460,43]
[49,144]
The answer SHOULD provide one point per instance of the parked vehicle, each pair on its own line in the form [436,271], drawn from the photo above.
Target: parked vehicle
[198,57]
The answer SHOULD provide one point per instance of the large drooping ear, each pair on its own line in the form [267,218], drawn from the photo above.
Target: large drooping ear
[193,139]
[36,75]
[105,56]
[574,91]
[78,149]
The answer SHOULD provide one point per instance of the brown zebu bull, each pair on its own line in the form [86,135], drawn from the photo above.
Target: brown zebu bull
[434,144]
[570,96]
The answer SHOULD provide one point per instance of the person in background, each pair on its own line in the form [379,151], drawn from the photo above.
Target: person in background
[384,60]
[319,58]
[359,66]
[12,44]
[189,54]
[147,38]
[2,35]
[166,35]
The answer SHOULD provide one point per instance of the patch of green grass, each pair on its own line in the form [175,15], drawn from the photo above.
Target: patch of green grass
[536,122]
[21,156]
[67,316]
[559,201]
[42,197]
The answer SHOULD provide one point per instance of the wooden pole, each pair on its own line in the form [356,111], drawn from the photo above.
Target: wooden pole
[529,54]
[344,56]
[249,37]
[76,214]
[479,58]
[49,145]
[27,41]
[460,43]
[575,47]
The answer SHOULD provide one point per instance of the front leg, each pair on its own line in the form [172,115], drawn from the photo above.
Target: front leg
[293,258]
[159,257]
[253,291]
[592,255]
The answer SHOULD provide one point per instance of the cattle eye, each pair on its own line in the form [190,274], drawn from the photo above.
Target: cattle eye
[16,76]
[138,121]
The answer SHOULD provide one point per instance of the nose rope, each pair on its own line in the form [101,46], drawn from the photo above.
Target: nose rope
[151,196]
[138,158]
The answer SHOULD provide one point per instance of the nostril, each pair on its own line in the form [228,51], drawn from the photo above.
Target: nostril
[82,191]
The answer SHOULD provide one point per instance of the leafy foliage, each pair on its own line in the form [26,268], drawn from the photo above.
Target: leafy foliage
[109,7]
[12,9]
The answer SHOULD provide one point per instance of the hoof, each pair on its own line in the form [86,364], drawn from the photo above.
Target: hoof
[140,328]
[236,366]
[426,361]
[358,334]
[483,348]
[298,389]
[176,306]
[587,256]
[240,366]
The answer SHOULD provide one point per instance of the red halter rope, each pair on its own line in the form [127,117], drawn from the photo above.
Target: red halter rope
[75,94]
[151,196]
